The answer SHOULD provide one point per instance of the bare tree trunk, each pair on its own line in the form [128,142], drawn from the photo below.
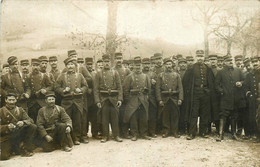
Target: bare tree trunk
[244,50]
[111,29]
[206,43]
[229,44]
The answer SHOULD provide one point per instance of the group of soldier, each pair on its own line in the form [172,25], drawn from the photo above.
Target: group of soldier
[139,98]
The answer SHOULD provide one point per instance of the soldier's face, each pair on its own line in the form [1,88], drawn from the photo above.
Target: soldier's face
[146,66]
[190,62]
[228,63]
[14,67]
[35,67]
[183,65]
[220,64]
[89,66]
[207,62]
[119,61]
[100,65]
[138,68]
[255,64]
[43,65]
[239,63]
[71,66]
[25,67]
[131,67]
[213,62]
[50,101]
[174,62]
[53,64]
[11,101]
[107,64]
[6,70]
[200,58]
[159,61]
[168,65]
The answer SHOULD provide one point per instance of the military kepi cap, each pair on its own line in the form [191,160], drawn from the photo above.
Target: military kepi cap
[213,57]
[80,60]
[66,61]
[35,61]
[5,65]
[88,60]
[50,94]
[105,57]
[99,60]
[146,61]
[53,58]
[24,62]
[227,58]
[43,58]
[238,57]
[182,60]
[72,52]
[137,60]
[157,55]
[11,60]
[199,52]
[167,60]
[254,59]
[246,61]
[118,54]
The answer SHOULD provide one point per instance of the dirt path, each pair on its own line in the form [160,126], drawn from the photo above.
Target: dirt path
[155,153]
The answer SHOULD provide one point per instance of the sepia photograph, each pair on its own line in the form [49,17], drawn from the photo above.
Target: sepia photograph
[149,83]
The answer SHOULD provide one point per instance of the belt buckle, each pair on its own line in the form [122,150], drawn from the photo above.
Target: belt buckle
[109,91]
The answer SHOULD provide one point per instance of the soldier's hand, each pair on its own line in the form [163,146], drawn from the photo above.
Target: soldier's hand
[238,84]
[179,102]
[67,89]
[68,130]
[43,91]
[48,138]
[153,81]
[118,104]
[161,103]
[11,127]
[20,123]
[26,96]
[99,105]
[78,90]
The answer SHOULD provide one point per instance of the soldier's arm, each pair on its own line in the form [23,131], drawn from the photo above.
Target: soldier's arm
[119,86]
[27,87]
[96,86]
[3,127]
[127,83]
[148,83]
[48,85]
[84,84]
[59,85]
[218,82]
[158,88]
[65,117]
[85,73]
[3,85]
[40,123]
[25,118]
[180,87]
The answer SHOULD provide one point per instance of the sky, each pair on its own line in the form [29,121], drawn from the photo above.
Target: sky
[170,21]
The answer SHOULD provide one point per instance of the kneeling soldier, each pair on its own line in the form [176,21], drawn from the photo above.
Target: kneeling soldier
[169,93]
[54,125]
[136,89]
[15,127]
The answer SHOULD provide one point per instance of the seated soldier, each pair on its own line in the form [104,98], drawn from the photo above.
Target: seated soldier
[16,127]
[54,126]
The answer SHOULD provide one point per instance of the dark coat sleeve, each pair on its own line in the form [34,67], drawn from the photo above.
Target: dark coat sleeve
[96,87]
[158,88]
[180,87]
[119,86]
[40,123]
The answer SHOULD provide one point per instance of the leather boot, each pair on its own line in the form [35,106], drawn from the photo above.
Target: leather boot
[233,129]
[221,129]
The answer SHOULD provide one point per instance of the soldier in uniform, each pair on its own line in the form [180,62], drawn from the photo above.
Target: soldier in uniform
[43,68]
[198,83]
[123,73]
[220,62]
[25,68]
[99,64]
[169,94]
[92,108]
[158,68]
[108,97]
[131,65]
[207,62]
[15,127]
[137,88]
[71,85]
[80,61]
[13,81]
[182,64]
[54,125]
[39,84]
[125,64]
[5,69]
[152,112]
[251,83]
[190,61]
[228,83]
[53,61]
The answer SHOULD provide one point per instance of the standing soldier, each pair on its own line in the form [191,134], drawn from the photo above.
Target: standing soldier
[39,84]
[137,88]
[71,85]
[54,125]
[43,68]
[182,64]
[152,112]
[220,62]
[13,81]
[251,83]
[92,108]
[123,73]
[199,86]
[228,84]
[54,67]
[5,69]
[25,68]
[99,64]
[80,61]
[190,61]
[108,97]
[158,68]
[15,127]
[131,64]
[169,94]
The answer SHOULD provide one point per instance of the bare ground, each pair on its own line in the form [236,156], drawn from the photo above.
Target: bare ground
[155,153]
